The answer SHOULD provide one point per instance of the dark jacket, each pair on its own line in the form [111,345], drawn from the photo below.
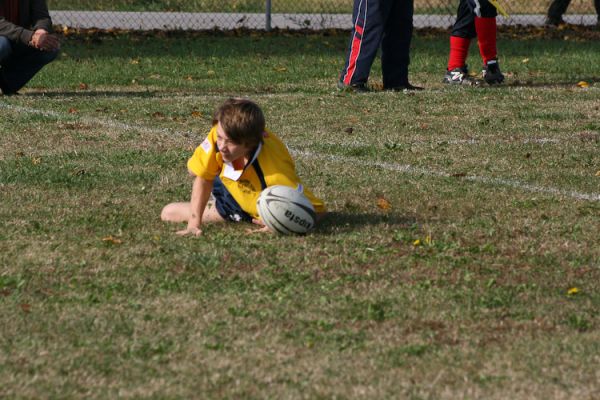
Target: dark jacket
[33,14]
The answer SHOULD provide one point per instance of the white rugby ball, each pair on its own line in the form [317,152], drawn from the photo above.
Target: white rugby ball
[286,210]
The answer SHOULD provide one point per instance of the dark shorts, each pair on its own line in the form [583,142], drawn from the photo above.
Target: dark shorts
[227,207]
[465,17]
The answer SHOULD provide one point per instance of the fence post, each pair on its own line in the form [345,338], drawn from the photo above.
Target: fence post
[268,16]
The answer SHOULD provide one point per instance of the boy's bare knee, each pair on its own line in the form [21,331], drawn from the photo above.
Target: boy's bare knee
[164,214]
[175,212]
[168,213]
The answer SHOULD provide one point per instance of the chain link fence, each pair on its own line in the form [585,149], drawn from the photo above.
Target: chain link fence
[283,14]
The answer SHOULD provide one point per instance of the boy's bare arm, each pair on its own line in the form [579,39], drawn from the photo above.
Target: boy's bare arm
[201,190]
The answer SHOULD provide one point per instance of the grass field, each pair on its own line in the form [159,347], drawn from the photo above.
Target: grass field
[460,259]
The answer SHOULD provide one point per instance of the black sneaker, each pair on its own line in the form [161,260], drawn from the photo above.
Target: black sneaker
[405,88]
[357,87]
[458,76]
[491,73]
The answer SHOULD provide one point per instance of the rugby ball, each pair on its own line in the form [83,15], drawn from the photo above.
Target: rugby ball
[286,210]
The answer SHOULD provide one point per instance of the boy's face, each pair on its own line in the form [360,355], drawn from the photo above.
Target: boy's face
[230,151]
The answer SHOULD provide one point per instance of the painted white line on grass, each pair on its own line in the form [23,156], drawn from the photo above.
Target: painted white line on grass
[406,168]
[108,123]
[412,170]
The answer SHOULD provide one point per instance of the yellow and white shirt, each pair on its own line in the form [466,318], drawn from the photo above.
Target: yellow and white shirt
[275,167]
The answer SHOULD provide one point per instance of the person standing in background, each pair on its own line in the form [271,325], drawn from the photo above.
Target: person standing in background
[559,7]
[379,23]
[475,18]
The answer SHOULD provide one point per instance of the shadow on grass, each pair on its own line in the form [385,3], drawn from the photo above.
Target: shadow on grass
[336,222]
[100,93]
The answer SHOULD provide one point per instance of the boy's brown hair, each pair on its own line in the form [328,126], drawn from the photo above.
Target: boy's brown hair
[242,120]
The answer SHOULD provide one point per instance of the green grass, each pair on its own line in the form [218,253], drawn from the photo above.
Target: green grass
[100,299]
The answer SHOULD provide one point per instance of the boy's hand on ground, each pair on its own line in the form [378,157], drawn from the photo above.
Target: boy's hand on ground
[193,231]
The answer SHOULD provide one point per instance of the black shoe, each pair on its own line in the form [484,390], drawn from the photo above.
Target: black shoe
[3,89]
[552,22]
[458,76]
[7,93]
[357,87]
[406,87]
[491,73]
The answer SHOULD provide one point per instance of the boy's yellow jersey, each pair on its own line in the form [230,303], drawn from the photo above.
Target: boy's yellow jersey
[274,164]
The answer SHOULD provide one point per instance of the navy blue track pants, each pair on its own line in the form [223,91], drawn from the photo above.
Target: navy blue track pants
[379,23]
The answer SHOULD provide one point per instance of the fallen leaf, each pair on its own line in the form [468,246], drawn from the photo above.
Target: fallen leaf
[196,114]
[36,160]
[525,60]
[26,308]
[112,239]
[83,86]
[72,110]
[428,240]
[573,291]
[583,84]
[417,242]
[135,61]
[598,173]
[280,69]
[383,204]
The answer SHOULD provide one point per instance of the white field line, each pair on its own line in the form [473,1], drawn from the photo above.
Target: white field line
[401,168]
[108,123]
[412,170]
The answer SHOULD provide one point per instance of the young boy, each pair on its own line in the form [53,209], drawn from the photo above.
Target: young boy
[236,162]
[475,18]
